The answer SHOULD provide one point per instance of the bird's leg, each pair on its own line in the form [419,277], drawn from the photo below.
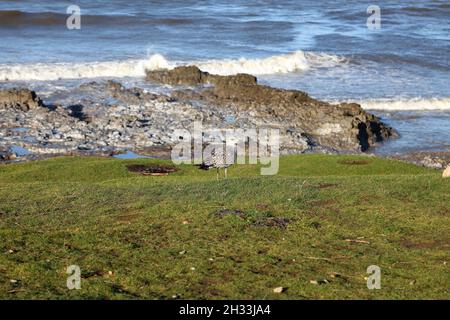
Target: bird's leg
[226,173]
[217,174]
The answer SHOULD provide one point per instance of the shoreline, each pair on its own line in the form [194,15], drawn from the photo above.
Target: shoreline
[427,159]
[110,119]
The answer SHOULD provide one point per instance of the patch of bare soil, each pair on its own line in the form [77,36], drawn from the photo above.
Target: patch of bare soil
[223,212]
[128,217]
[323,203]
[151,170]
[435,244]
[349,162]
[275,222]
[322,186]
[267,221]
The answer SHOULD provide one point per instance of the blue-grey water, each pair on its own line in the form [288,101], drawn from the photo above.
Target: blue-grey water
[401,70]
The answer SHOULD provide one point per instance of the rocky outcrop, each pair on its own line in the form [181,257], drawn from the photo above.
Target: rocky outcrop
[107,117]
[22,99]
[193,76]
[190,76]
[337,127]
[130,119]
[430,159]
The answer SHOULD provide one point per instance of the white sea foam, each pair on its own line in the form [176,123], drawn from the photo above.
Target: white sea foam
[407,104]
[55,71]
[296,61]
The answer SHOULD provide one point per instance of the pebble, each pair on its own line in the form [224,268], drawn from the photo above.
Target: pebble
[322,281]
[278,290]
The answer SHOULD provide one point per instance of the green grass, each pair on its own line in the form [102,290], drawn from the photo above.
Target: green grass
[126,231]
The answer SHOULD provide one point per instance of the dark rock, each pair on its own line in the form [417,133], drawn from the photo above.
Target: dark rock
[5,154]
[133,95]
[193,76]
[240,79]
[263,95]
[21,99]
[76,111]
[189,75]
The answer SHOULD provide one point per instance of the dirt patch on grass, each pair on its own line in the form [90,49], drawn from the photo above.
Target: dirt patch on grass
[350,162]
[257,219]
[93,273]
[117,288]
[127,217]
[315,225]
[223,212]
[435,244]
[275,222]
[151,170]
[323,203]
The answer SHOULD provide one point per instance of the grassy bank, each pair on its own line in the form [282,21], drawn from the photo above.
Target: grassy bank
[314,229]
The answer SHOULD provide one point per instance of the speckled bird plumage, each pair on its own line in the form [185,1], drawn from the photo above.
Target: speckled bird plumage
[219,158]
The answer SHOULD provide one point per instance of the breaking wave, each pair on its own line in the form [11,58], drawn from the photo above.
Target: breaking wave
[297,61]
[407,104]
[292,62]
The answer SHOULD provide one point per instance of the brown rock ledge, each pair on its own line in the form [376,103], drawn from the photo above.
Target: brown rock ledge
[345,126]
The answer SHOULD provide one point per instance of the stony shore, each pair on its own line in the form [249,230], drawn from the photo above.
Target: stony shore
[134,119]
[430,159]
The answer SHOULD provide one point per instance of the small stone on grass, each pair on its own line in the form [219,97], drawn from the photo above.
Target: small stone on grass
[279,290]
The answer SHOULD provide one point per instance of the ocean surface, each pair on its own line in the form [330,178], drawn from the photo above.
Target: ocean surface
[400,71]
